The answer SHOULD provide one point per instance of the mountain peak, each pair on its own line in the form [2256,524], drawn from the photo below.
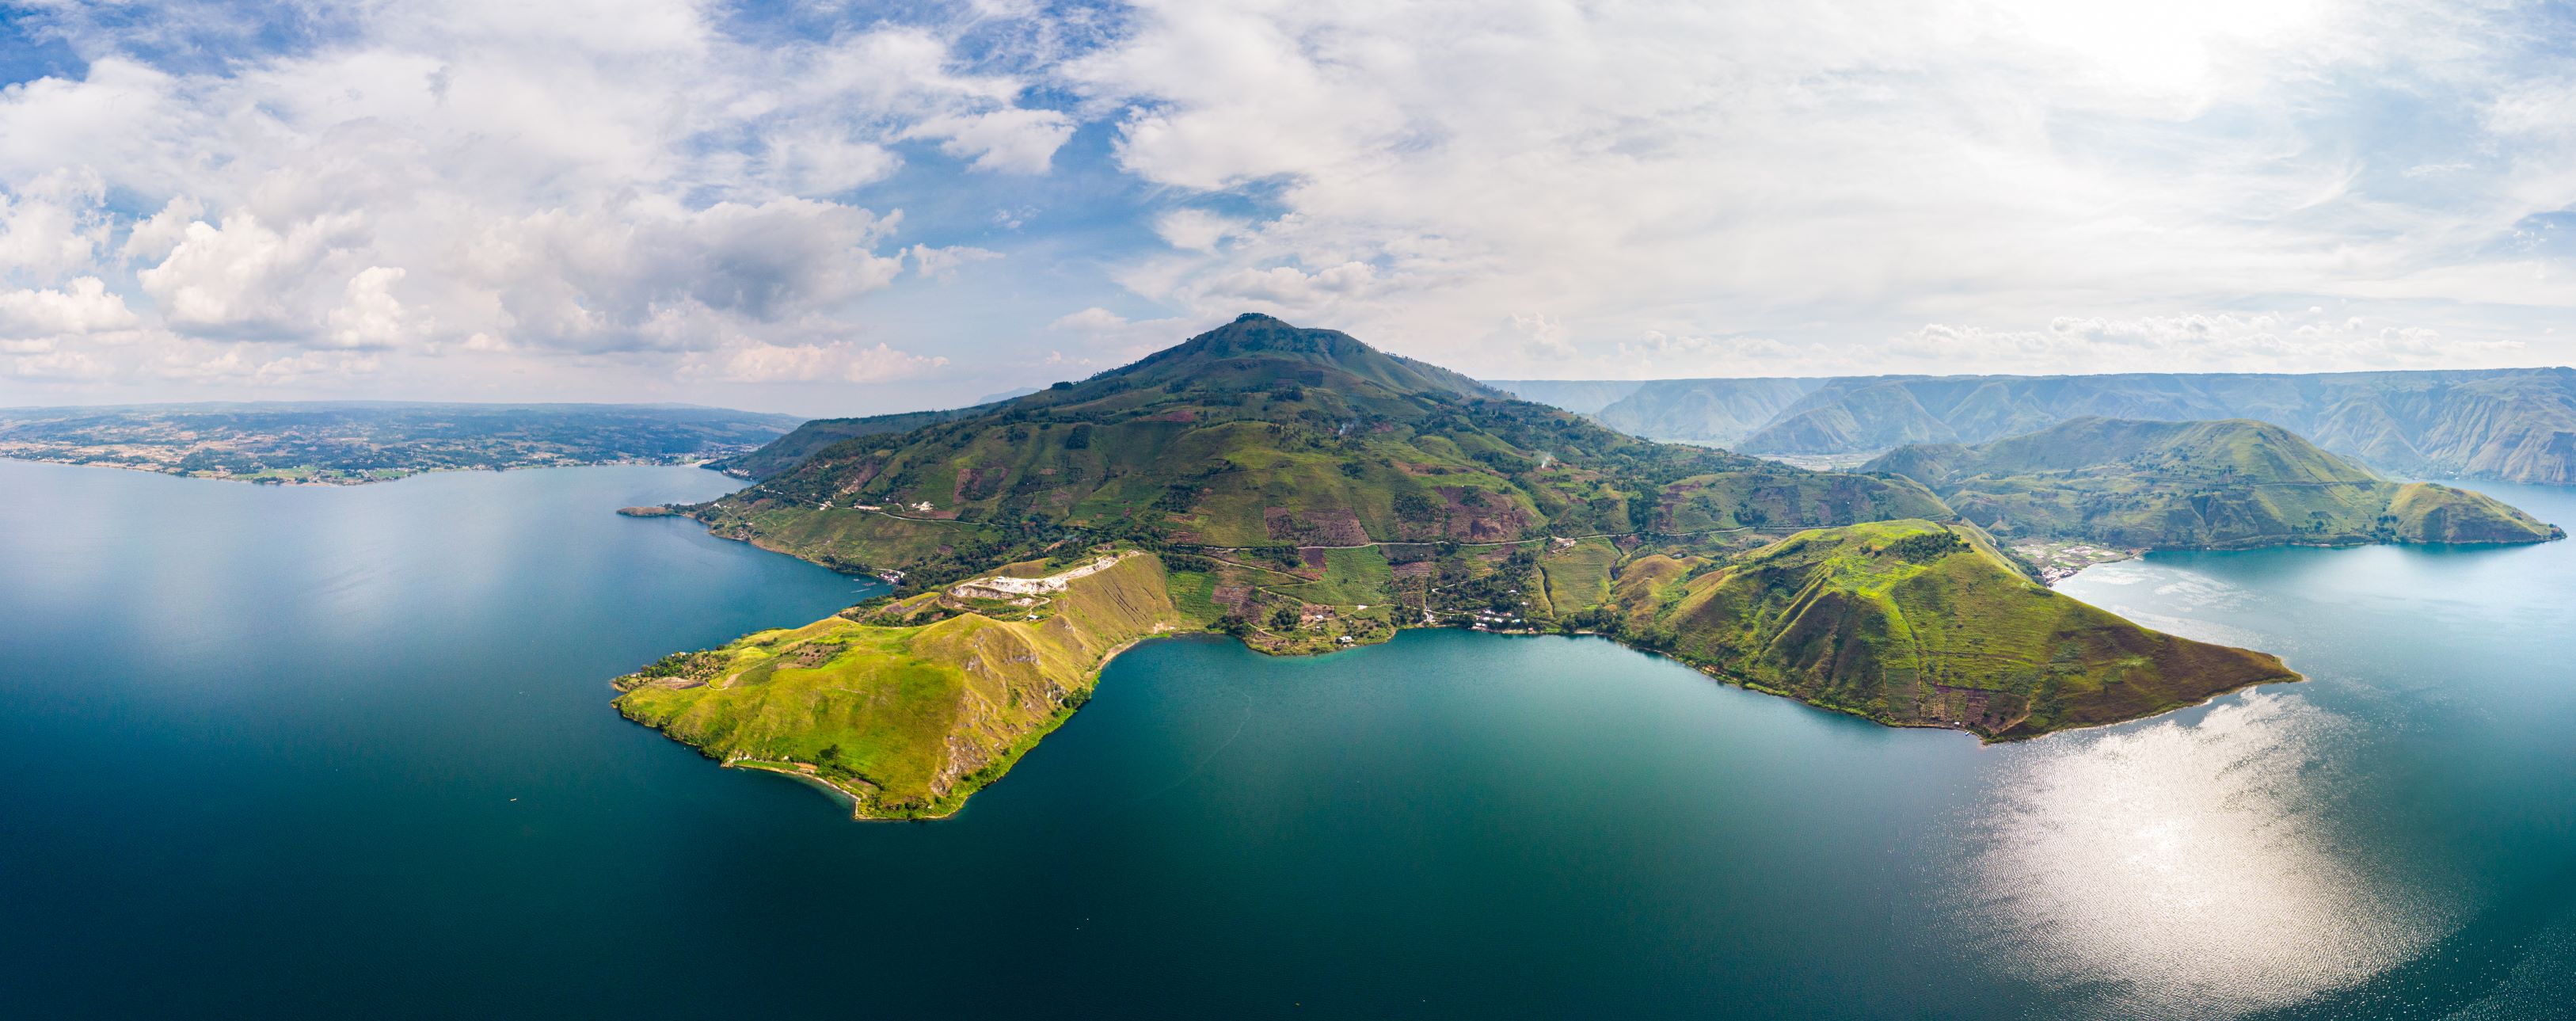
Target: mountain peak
[1255,342]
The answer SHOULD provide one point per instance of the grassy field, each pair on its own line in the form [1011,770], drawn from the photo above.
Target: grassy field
[1578,578]
[1911,622]
[1352,577]
[908,719]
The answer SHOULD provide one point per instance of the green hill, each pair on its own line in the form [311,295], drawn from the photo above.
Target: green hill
[905,718]
[2194,484]
[1918,624]
[1304,492]
[2517,425]
[800,443]
[1259,434]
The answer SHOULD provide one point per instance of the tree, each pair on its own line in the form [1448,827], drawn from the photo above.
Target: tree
[1414,507]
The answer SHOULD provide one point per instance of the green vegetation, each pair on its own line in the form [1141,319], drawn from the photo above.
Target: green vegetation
[1914,623]
[1577,575]
[2163,485]
[906,718]
[792,449]
[2516,425]
[1261,436]
[352,443]
[1303,492]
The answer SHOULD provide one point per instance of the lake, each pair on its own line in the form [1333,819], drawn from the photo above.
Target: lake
[348,752]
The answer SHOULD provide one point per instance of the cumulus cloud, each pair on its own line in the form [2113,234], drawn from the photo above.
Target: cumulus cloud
[1013,141]
[241,272]
[53,224]
[1819,172]
[667,194]
[663,277]
[627,181]
[83,306]
[372,317]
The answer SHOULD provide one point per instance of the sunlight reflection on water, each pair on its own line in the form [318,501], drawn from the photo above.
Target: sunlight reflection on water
[2186,870]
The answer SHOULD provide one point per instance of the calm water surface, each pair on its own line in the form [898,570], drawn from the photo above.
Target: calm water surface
[335,752]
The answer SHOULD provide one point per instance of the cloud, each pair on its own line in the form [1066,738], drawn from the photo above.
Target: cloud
[756,362]
[1196,230]
[372,316]
[242,273]
[1824,172]
[1105,339]
[53,224]
[942,263]
[657,277]
[1655,351]
[1018,141]
[243,364]
[153,239]
[58,367]
[1534,334]
[2255,342]
[600,184]
[660,196]
[84,306]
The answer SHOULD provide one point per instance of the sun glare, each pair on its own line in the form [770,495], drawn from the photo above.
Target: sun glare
[2164,49]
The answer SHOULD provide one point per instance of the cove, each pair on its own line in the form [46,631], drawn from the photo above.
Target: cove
[320,752]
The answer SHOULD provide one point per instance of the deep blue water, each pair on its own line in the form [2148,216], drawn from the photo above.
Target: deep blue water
[347,752]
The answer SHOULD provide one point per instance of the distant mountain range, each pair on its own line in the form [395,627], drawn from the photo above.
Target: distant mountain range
[2514,425]
[2165,485]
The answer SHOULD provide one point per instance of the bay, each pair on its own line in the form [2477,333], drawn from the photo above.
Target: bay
[322,752]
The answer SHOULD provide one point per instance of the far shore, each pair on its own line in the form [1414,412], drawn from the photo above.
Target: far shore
[404,473]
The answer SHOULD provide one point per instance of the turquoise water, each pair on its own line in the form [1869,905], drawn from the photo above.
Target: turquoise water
[335,752]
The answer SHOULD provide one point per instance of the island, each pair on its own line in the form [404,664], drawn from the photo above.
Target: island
[352,443]
[1303,492]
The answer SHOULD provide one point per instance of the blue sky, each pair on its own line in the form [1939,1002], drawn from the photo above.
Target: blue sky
[847,208]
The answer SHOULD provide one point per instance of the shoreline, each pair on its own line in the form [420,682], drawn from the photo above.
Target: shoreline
[407,473]
[954,802]
[992,770]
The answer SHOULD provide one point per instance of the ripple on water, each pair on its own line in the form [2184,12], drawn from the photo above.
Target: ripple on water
[2175,870]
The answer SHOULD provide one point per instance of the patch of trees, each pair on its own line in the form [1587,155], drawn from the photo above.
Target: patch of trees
[1415,507]
[1925,547]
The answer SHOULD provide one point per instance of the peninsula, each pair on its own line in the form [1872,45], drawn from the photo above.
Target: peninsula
[1304,492]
